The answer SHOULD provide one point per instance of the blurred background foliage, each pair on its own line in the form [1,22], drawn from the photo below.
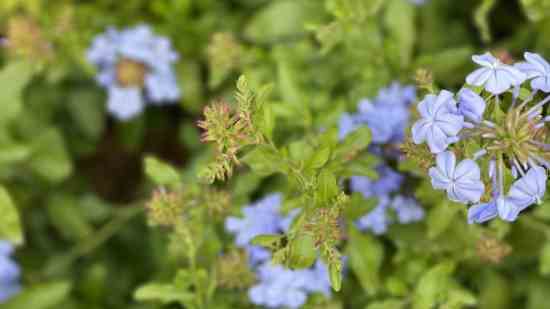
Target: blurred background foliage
[73,178]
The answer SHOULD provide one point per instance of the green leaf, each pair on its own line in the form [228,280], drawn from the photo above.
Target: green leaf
[13,78]
[302,252]
[440,217]
[335,275]
[264,160]
[268,123]
[545,259]
[89,116]
[354,9]
[10,227]
[366,255]
[327,187]
[319,158]
[42,296]
[387,304]
[161,173]
[49,158]
[481,18]
[399,20]
[433,286]
[281,19]
[355,142]
[65,215]
[163,293]
[536,10]
[267,241]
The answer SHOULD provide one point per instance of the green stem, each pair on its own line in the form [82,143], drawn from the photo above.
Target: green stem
[95,240]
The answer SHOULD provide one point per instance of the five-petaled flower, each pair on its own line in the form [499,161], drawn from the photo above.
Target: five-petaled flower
[537,69]
[440,122]
[462,182]
[494,75]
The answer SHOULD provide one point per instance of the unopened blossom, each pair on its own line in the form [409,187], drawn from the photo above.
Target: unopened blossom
[9,272]
[462,182]
[136,67]
[440,122]
[537,70]
[495,76]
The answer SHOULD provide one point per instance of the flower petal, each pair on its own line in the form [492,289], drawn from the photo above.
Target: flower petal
[482,212]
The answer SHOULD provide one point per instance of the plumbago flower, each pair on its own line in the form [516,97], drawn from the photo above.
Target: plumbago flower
[136,67]
[387,117]
[9,273]
[502,130]
[277,286]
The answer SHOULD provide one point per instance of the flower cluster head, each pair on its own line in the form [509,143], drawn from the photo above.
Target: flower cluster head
[9,272]
[276,286]
[387,117]
[136,67]
[496,122]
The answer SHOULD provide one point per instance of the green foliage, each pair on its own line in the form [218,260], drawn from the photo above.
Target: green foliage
[76,183]
[11,229]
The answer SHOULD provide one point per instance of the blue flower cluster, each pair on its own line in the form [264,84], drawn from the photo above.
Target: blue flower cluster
[387,117]
[510,138]
[277,287]
[136,67]
[9,273]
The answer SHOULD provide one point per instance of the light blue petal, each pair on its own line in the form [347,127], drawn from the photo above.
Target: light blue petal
[482,212]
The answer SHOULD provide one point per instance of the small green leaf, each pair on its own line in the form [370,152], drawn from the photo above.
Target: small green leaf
[264,160]
[10,228]
[481,18]
[335,274]
[42,296]
[433,286]
[387,304]
[14,77]
[355,142]
[267,241]
[49,157]
[161,173]
[327,186]
[366,254]
[302,251]
[440,217]
[319,158]
[545,259]
[163,293]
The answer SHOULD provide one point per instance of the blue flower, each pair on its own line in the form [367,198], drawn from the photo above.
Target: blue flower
[397,94]
[471,105]
[377,220]
[482,212]
[279,287]
[407,209]
[386,120]
[388,182]
[319,279]
[346,125]
[440,122]
[537,69]
[525,191]
[136,67]
[262,217]
[462,182]
[9,273]
[125,103]
[494,75]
